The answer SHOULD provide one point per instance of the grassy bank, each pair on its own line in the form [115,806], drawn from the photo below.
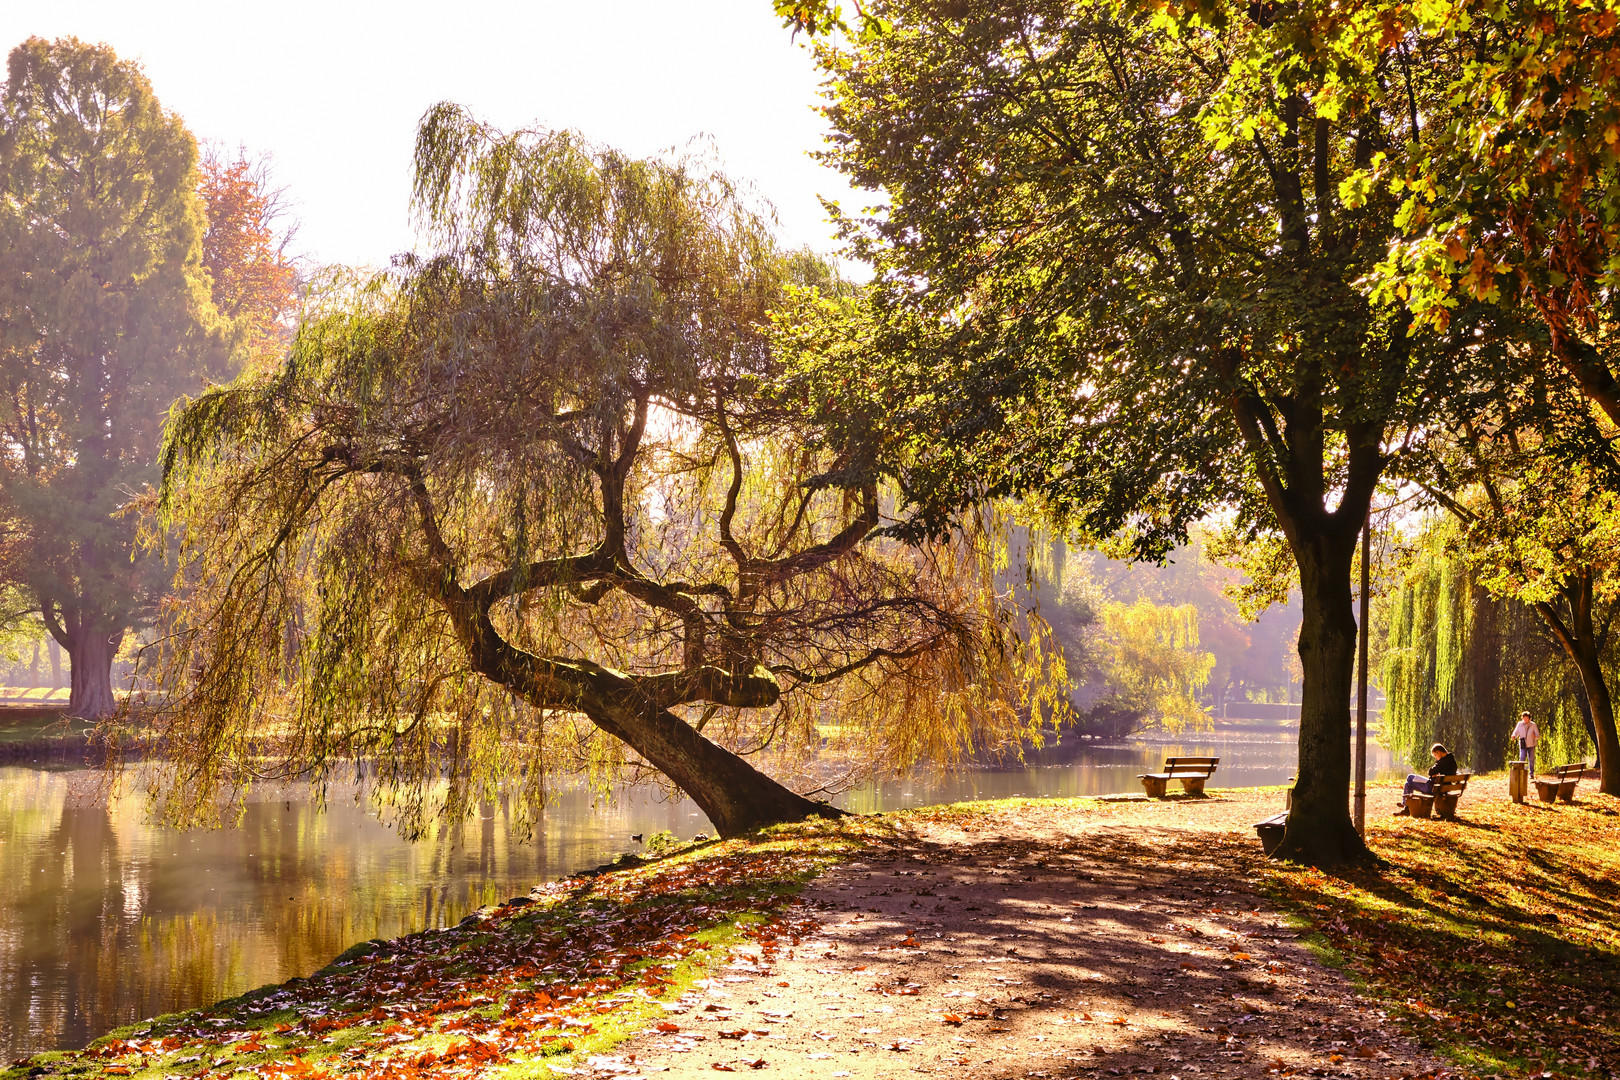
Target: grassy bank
[545,979]
[30,735]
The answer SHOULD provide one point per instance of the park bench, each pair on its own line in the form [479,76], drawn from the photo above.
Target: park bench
[1191,771]
[1560,784]
[1271,831]
[1442,799]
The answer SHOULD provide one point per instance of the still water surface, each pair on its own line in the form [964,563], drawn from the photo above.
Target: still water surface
[105,919]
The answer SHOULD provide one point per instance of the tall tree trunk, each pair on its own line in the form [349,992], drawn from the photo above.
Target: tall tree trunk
[1580,641]
[91,655]
[737,797]
[1319,830]
[1586,713]
[1601,703]
[56,663]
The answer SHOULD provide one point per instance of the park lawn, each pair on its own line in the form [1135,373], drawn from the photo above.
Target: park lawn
[43,695]
[1498,935]
[27,724]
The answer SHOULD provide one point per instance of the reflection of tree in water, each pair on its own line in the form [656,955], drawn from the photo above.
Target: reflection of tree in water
[105,919]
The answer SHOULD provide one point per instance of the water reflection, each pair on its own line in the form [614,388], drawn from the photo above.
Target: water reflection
[1096,769]
[104,919]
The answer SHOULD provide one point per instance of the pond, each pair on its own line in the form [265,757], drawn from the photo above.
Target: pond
[105,919]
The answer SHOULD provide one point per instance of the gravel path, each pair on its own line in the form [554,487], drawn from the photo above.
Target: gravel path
[1079,944]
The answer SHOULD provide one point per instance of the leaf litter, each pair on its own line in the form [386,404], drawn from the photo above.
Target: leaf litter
[1094,905]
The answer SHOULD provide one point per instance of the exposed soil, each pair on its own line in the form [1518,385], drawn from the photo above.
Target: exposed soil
[1106,941]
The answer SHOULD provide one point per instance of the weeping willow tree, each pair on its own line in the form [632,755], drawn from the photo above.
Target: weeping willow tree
[1460,664]
[520,505]
[1152,665]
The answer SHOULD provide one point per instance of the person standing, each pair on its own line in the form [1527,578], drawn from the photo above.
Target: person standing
[1527,735]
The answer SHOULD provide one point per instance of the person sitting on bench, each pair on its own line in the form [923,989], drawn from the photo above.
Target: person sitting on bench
[1445,764]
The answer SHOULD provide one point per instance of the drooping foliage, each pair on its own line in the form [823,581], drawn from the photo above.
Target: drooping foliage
[1152,665]
[521,505]
[1460,665]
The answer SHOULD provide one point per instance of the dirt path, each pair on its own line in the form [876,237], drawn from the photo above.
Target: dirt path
[1089,944]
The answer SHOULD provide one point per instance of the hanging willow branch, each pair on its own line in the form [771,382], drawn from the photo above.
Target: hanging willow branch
[531,479]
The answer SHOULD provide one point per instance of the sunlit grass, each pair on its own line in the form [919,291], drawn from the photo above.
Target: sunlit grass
[1498,935]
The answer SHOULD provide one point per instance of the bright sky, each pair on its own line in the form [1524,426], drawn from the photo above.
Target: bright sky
[332,89]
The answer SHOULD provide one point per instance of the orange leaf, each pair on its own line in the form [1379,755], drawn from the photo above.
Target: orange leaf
[951,1018]
[665,1025]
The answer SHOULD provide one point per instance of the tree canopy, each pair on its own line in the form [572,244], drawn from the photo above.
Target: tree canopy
[522,504]
[1118,270]
[105,319]
[253,280]
[1512,198]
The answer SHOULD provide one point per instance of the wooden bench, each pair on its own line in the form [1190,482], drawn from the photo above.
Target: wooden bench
[1191,771]
[1561,783]
[1441,800]
[1271,831]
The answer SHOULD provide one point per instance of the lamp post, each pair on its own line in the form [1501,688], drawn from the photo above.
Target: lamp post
[1361,679]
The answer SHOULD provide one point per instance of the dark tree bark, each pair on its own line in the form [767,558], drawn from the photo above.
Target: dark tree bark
[91,646]
[1319,829]
[1291,469]
[1585,706]
[737,797]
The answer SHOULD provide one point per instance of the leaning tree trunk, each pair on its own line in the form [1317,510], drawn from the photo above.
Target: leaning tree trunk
[1585,706]
[91,655]
[737,797]
[1601,703]
[1319,830]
